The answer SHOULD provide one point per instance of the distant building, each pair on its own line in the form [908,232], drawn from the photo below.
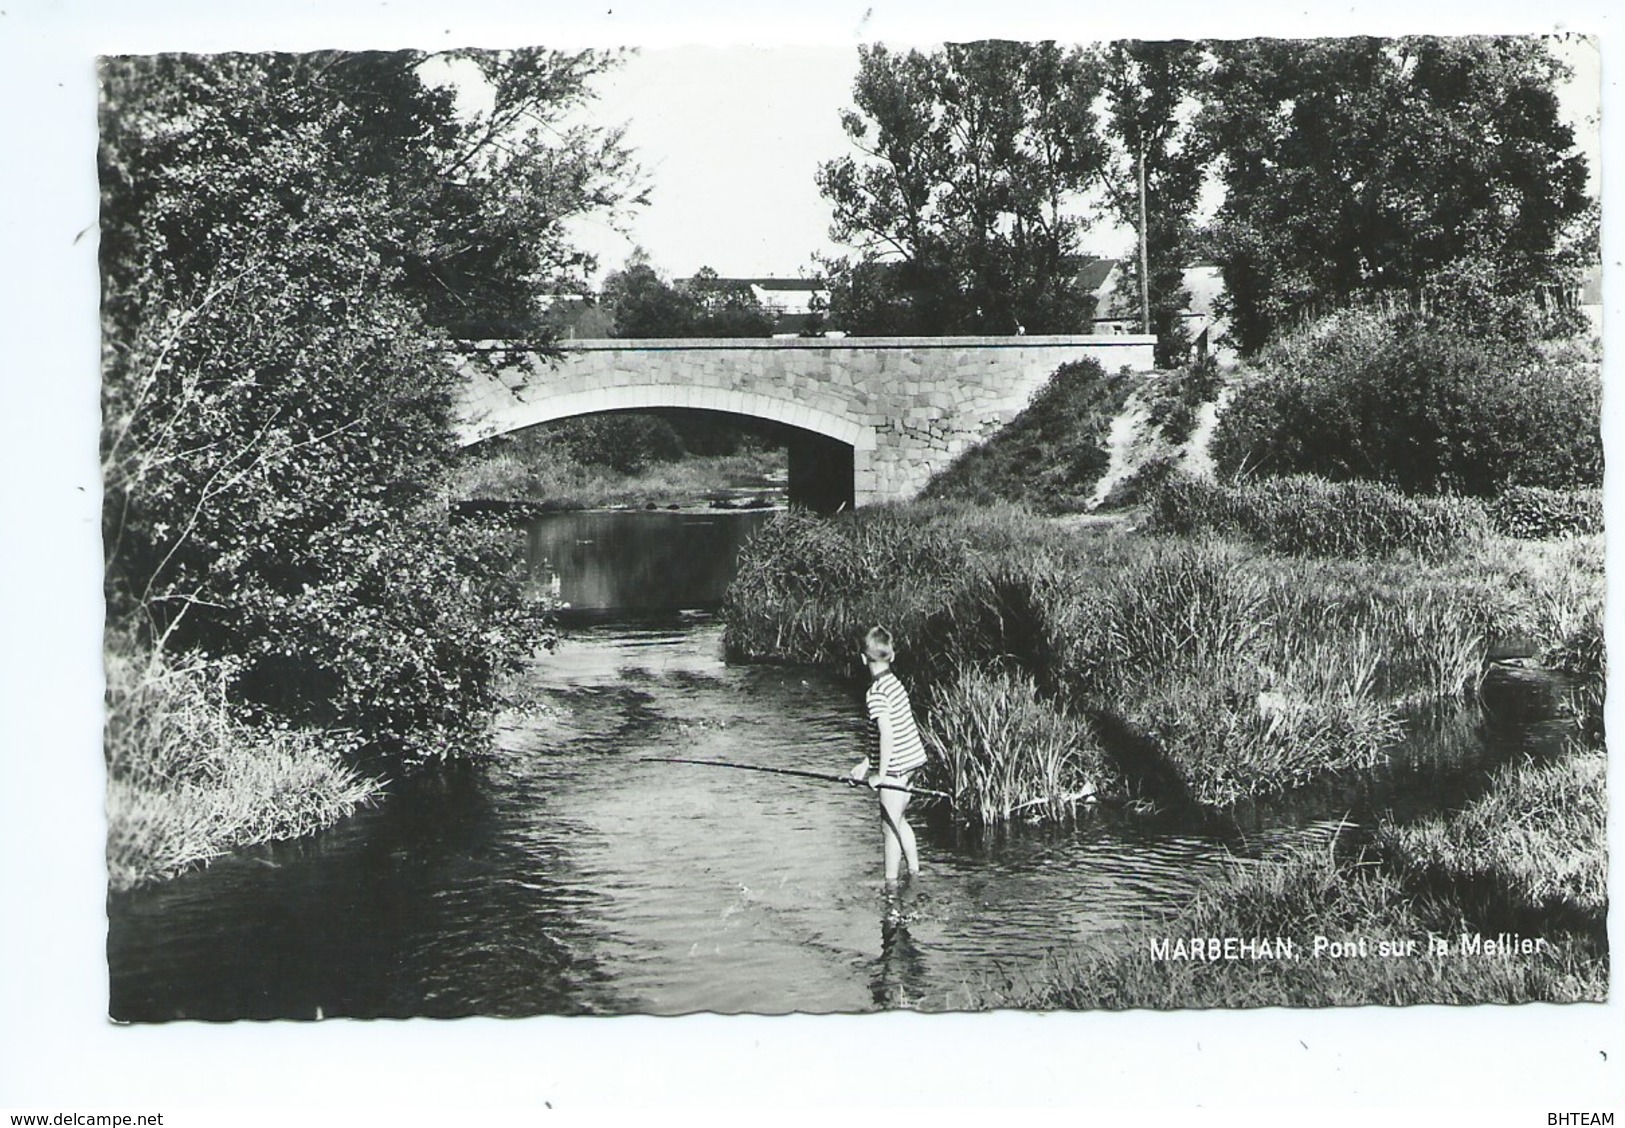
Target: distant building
[1099,277]
[1118,310]
[794,302]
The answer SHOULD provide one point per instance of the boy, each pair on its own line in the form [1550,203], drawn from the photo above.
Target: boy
[901,753]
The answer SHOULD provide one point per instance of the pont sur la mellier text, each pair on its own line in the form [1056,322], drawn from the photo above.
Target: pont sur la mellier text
[1220,949]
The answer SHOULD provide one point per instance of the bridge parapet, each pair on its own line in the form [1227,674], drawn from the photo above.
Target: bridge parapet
[905,405]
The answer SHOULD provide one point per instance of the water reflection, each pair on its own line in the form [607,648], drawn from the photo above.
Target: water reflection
[900,972]
[639,561]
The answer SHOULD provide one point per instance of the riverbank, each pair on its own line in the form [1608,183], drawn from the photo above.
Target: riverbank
[189,780]
[1503,901]
[1188,671]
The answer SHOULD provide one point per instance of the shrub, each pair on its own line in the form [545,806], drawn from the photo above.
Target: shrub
[1309,516]
[1177,396]
[1393,399]
[1534,513]
[404,631]
[1471,295]
[1142,485]
[626,442]
[277,403]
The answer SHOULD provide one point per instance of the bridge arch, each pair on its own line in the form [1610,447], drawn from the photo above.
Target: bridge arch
[823,447]
[873,417]
[643,397]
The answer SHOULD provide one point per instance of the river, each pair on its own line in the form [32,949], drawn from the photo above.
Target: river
[571,874]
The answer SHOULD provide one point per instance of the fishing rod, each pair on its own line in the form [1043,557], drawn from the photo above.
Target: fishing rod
[827,777]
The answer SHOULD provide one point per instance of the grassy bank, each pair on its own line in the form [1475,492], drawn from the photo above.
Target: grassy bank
[555,480]
[1194,670]
[190,779]
[1052,454]
[1526,860]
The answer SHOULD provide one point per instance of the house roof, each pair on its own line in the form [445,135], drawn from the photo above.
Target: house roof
[799,284]
[1093,273]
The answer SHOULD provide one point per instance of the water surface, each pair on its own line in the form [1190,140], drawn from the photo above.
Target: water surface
[572,874]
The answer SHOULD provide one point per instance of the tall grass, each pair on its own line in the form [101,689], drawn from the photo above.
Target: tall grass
[1536,842]
[1247,672]
[1533,513]
[1527,858]
[807,586]
[1004,752]
[189,780]
[1306,515]
[1307,894]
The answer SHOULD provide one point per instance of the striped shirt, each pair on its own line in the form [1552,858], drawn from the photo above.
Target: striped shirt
[888,698]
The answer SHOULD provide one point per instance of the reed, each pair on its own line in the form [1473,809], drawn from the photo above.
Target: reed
[189,780]
[1005,753]
[1175,606]
[1197,647]
[1230,745]
[1420,632]
[1310,516]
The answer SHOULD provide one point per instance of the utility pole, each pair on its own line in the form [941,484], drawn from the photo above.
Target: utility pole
[1145,255]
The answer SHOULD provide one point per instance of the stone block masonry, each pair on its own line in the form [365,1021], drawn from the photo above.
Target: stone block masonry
[907,406]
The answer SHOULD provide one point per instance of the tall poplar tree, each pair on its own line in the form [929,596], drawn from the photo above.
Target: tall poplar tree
[1150,91]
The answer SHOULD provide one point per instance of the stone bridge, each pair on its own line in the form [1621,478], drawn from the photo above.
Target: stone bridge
[866,419]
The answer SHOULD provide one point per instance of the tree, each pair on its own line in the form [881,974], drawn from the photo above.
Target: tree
[286,238]
[963,212]
[1160,165]
[1364,166]
[727,308]
[644,304]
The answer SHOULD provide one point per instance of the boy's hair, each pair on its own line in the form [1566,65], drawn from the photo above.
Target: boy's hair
[877,644]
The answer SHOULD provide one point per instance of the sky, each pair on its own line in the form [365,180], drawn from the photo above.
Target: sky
[731,138]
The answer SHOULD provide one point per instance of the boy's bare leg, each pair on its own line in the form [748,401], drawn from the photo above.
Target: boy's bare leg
[891,848]
[897,835]
[911,854]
